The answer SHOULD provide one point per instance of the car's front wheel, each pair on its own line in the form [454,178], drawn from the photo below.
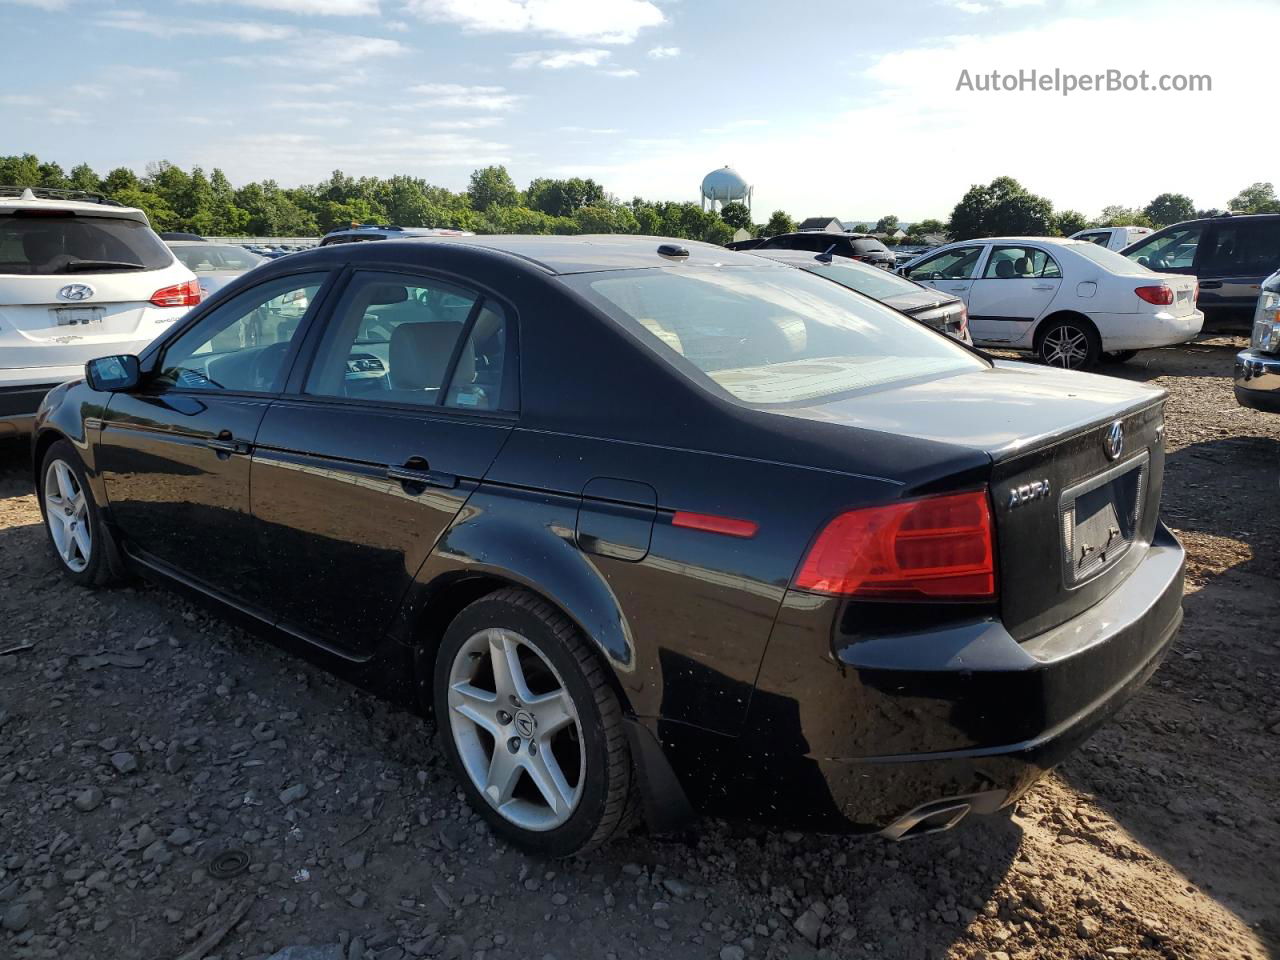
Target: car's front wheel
[71,517]
[532,726]
[1070,344]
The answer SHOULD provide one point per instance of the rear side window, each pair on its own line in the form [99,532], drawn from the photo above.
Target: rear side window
[1098,238]
[401,340]
[872,281]
[1244,248]
[770,335]
[46,245]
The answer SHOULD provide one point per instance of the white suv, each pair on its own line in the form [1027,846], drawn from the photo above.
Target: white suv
[1113,238]
[80,277]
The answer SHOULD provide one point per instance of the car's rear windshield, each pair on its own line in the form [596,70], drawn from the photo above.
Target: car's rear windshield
[865,245]
[770,334]
[212,257]
[1108,259]
[872,281]
[78,244]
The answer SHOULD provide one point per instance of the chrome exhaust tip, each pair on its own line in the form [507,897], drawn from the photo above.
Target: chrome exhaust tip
[933,817]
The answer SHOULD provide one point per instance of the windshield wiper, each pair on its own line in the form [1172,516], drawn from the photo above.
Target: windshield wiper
[80,266]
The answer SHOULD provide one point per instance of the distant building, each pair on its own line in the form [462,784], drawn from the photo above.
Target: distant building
[822,224]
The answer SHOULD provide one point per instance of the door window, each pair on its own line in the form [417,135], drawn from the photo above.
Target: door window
[959,263]
[242,345]
[1243,249]
[1021,263]
[1169,251]
[1099,238]
[401,340]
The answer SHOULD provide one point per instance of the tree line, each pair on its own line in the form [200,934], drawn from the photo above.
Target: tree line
[207,204]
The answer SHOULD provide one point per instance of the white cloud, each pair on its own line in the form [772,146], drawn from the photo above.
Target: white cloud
[41,4]
[130,72]
[479,123]
[89,91]
[598,21]
[62,115]
[664,53]
[306,88]
[247,31]
[323,8]
[596,130]
[397,26]
[559,59]
[457,95]
[622,72]
[975,7]
[325,121]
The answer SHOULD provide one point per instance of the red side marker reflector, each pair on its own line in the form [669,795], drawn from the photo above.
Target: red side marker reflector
[714,524]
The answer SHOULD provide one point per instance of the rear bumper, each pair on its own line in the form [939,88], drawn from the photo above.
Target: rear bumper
[1144,331]
[1257,381]
[883,726]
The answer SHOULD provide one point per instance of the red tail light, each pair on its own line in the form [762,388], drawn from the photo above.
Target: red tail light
[1159,294]
[179,295]
[936,548]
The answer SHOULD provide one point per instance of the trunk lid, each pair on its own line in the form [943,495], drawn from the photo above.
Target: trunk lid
[1072,520]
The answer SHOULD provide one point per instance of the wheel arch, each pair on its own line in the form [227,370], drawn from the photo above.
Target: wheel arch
[1045,322]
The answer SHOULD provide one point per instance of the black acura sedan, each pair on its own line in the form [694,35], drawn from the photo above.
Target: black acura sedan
[652,527]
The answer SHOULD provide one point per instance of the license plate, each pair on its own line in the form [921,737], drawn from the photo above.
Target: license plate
[1101,519]
[1184,296]
[73,316]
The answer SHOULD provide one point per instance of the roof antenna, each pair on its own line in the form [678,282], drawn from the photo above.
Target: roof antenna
[825,255]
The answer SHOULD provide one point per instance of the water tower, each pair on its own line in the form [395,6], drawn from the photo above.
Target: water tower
[723,186]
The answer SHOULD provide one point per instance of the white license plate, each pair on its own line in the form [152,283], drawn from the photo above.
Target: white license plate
[1184,296]
[73,316]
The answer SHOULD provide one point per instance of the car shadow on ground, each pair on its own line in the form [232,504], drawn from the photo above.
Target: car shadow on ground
[1205,357]
[1183,768]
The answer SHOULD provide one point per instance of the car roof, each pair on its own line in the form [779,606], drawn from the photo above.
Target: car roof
[798,257]
[587,253]
[824,233]
[202,243]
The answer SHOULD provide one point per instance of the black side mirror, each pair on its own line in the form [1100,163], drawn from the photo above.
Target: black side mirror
[113,374]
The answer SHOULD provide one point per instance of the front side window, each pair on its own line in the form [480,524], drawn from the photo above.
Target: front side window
[770,334]
[958,263]
[400,339]
[78,244]
[1173,250]
[1020,263]
[242,345]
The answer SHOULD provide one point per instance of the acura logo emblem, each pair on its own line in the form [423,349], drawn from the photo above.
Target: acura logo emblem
[76,292]
[525,725]
[1113,441]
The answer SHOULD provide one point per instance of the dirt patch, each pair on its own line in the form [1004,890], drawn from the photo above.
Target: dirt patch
[141,738]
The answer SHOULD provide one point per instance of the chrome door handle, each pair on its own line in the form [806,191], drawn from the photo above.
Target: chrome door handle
[426,477]
[1042,286]
[223,445]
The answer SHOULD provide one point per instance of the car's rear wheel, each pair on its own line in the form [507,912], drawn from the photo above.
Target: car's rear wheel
[1069,344]
[532,726]
[71,517]
[1119,356]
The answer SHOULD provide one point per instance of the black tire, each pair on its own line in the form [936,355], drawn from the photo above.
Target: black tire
[1119,356]
[606,807]
[99,566]
[1085,347]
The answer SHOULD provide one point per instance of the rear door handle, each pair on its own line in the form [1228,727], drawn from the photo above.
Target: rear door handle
[1042,286]
[418,471]
[1210,284]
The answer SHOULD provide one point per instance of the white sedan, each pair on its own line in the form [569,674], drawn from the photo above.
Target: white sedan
[1071,302]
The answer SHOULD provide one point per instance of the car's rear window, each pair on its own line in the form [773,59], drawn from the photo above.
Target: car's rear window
[78,244]
[865,245]
[1108,259]
[212,257]
[871,281]
[770,334]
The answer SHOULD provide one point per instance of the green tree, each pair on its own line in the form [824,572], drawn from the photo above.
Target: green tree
[1121,216]
[861,228]
[273,213]
[121,178]
[20,171]
[1169,208]
[887,224]
[928,226]
[1255,198]
[780,222]
[736,215]
[82,177]
[492,186]
[604,219]
[717,232]
[52,175]
[157,209]
[1004,207]
[1071,221]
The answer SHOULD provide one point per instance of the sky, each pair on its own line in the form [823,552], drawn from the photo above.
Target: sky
[838,108]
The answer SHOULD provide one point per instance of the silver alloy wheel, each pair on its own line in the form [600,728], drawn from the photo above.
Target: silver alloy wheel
[516,729]
[1065,347]
[67,513]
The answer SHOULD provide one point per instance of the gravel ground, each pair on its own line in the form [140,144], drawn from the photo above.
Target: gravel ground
[140,738]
